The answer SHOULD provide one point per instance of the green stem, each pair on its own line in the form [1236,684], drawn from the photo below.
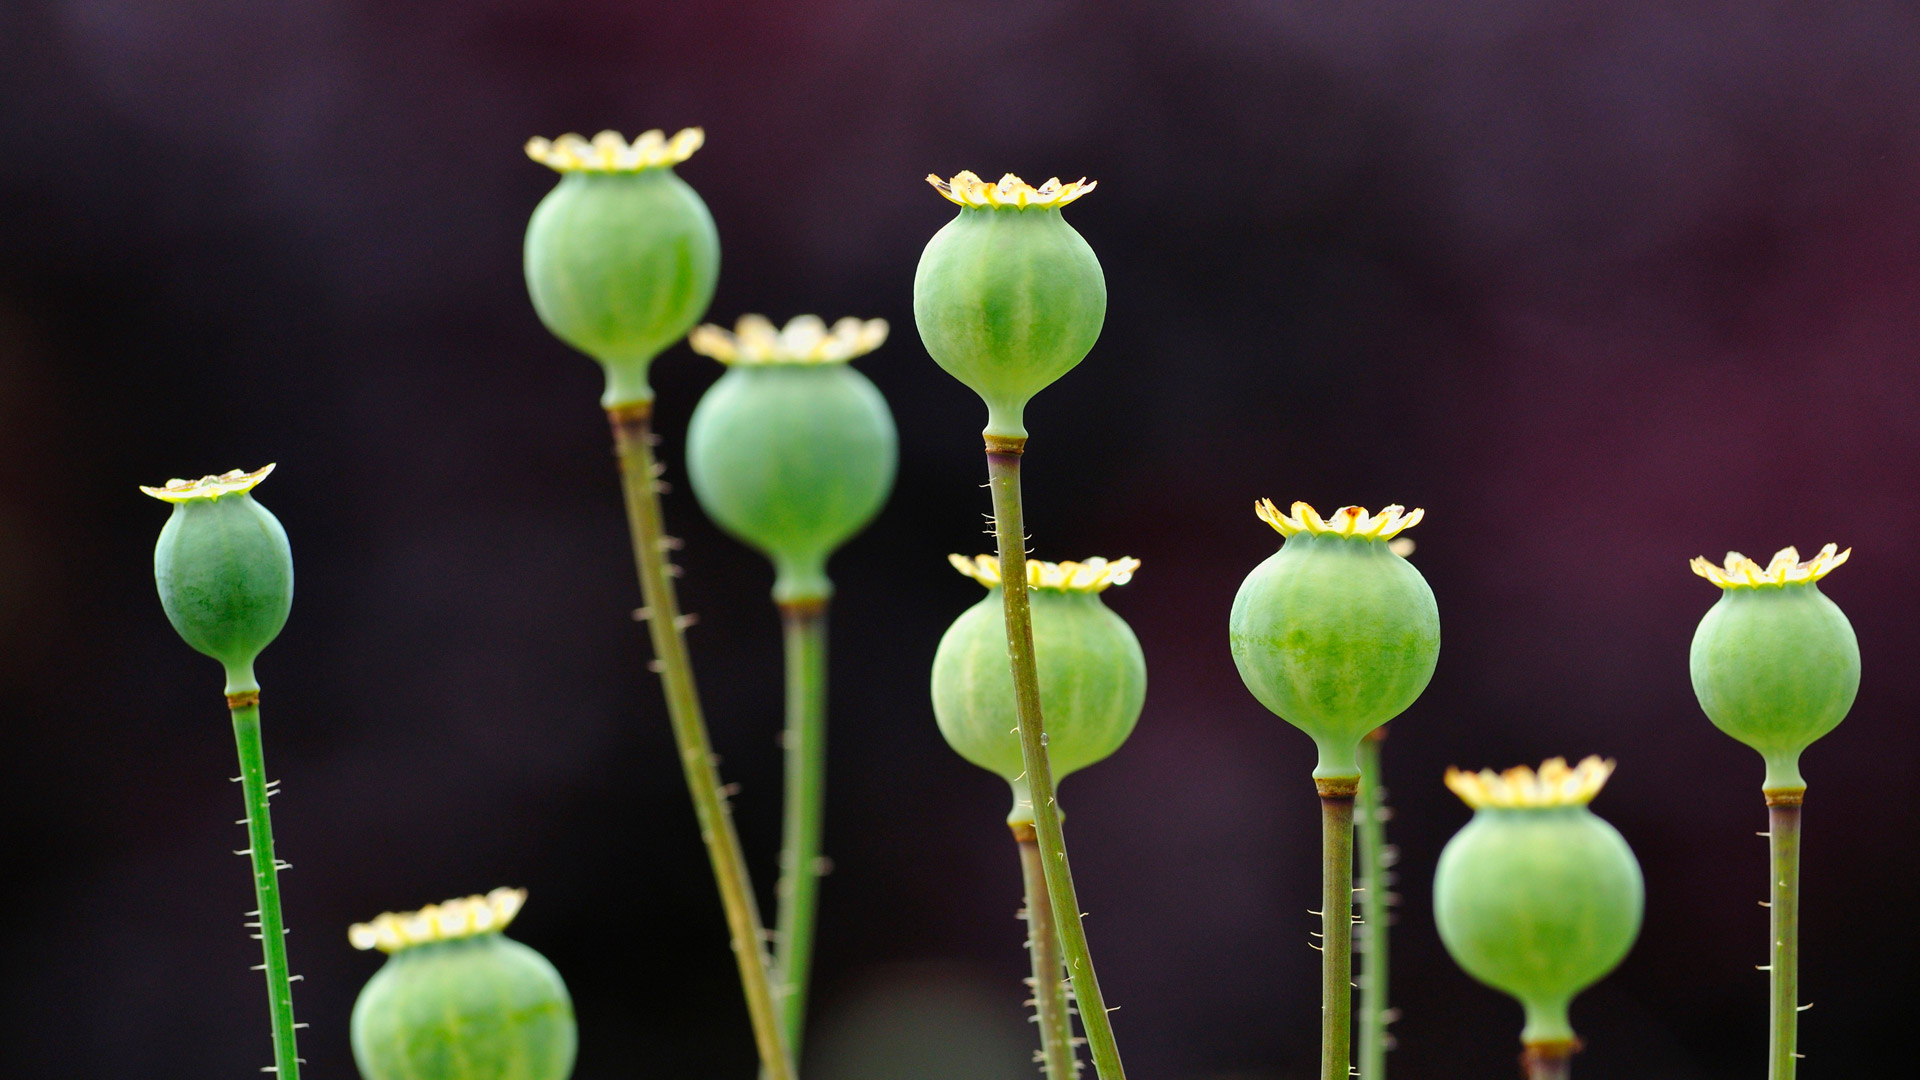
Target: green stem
[1376,909]
[633,442]
[1783,969]
[1336,927]
[1003,469]
[805,629]
[1049,983]
[245,707]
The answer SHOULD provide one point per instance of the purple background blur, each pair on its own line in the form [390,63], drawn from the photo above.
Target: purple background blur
[1603,286]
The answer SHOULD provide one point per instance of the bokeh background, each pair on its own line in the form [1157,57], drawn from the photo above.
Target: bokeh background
[1603,286]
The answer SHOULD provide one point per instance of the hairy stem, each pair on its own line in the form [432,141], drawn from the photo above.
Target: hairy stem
[245,708]
[805,738]
[1549,1061]
[1783,969]
[639,473]
[1376,908]
[1003,469]
[1336,927]
[1049,977]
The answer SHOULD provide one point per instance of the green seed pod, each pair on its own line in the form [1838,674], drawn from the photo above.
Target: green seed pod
[224,570]
[1775,663]
[621,256]
[1008,296]
[792,451]
[1336,632]
[1093,677]
[1537,897]
[457,1000]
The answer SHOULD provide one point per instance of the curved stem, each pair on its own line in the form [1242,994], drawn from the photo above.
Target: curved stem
[1376,909]
[245,708]
[1050,1007]
[639,473]
[1783,969]
[804,626]
[1003,470]
[1336,927]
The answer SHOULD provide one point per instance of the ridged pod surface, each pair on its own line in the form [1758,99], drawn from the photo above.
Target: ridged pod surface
[1093,684]
[1336,634]
[1007,299]
[620,265]
[1540,902]
[224,571]
[1776,666]
[793,459]
[474,1008]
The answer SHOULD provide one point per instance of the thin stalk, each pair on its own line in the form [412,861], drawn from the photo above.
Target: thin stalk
[1050,1007]
[1549,1061]
[804,625]
[1003,470]
[1336,927]
[245,707]
[633,442]
[1783,908]
[1376,909]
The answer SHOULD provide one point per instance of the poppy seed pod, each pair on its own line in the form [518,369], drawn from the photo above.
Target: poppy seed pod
[1093,676]
[792,451]
[224,570]
[1775,663]
[622,256]
[1008,296]
[1336,632]
[1536,896]
[457,1000]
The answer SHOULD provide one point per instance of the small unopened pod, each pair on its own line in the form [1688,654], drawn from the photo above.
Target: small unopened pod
[459,1000]
[792,451]
[224,570]
[1008,296]
[622,256]
[1775,663]
[1336,632]
[1093,676]
[1538,897]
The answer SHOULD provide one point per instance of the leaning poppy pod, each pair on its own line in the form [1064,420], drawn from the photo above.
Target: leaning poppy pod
[792,451]
[458,1000]
[1538,897]
[621,256]
[1008,296]
[225,575]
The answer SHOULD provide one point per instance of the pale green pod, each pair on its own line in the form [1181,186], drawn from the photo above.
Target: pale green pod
[458,1000]
[1008,297]
[1775,663]
[1536,896]
[621,256]
[1093,676]
[1337,633]
[224,570]
[792,451]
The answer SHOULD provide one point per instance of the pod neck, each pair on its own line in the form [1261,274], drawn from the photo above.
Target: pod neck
[240,678]
[1547,1023]
[801,579]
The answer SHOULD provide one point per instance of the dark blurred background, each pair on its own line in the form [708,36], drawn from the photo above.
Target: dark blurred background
[1603,286]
